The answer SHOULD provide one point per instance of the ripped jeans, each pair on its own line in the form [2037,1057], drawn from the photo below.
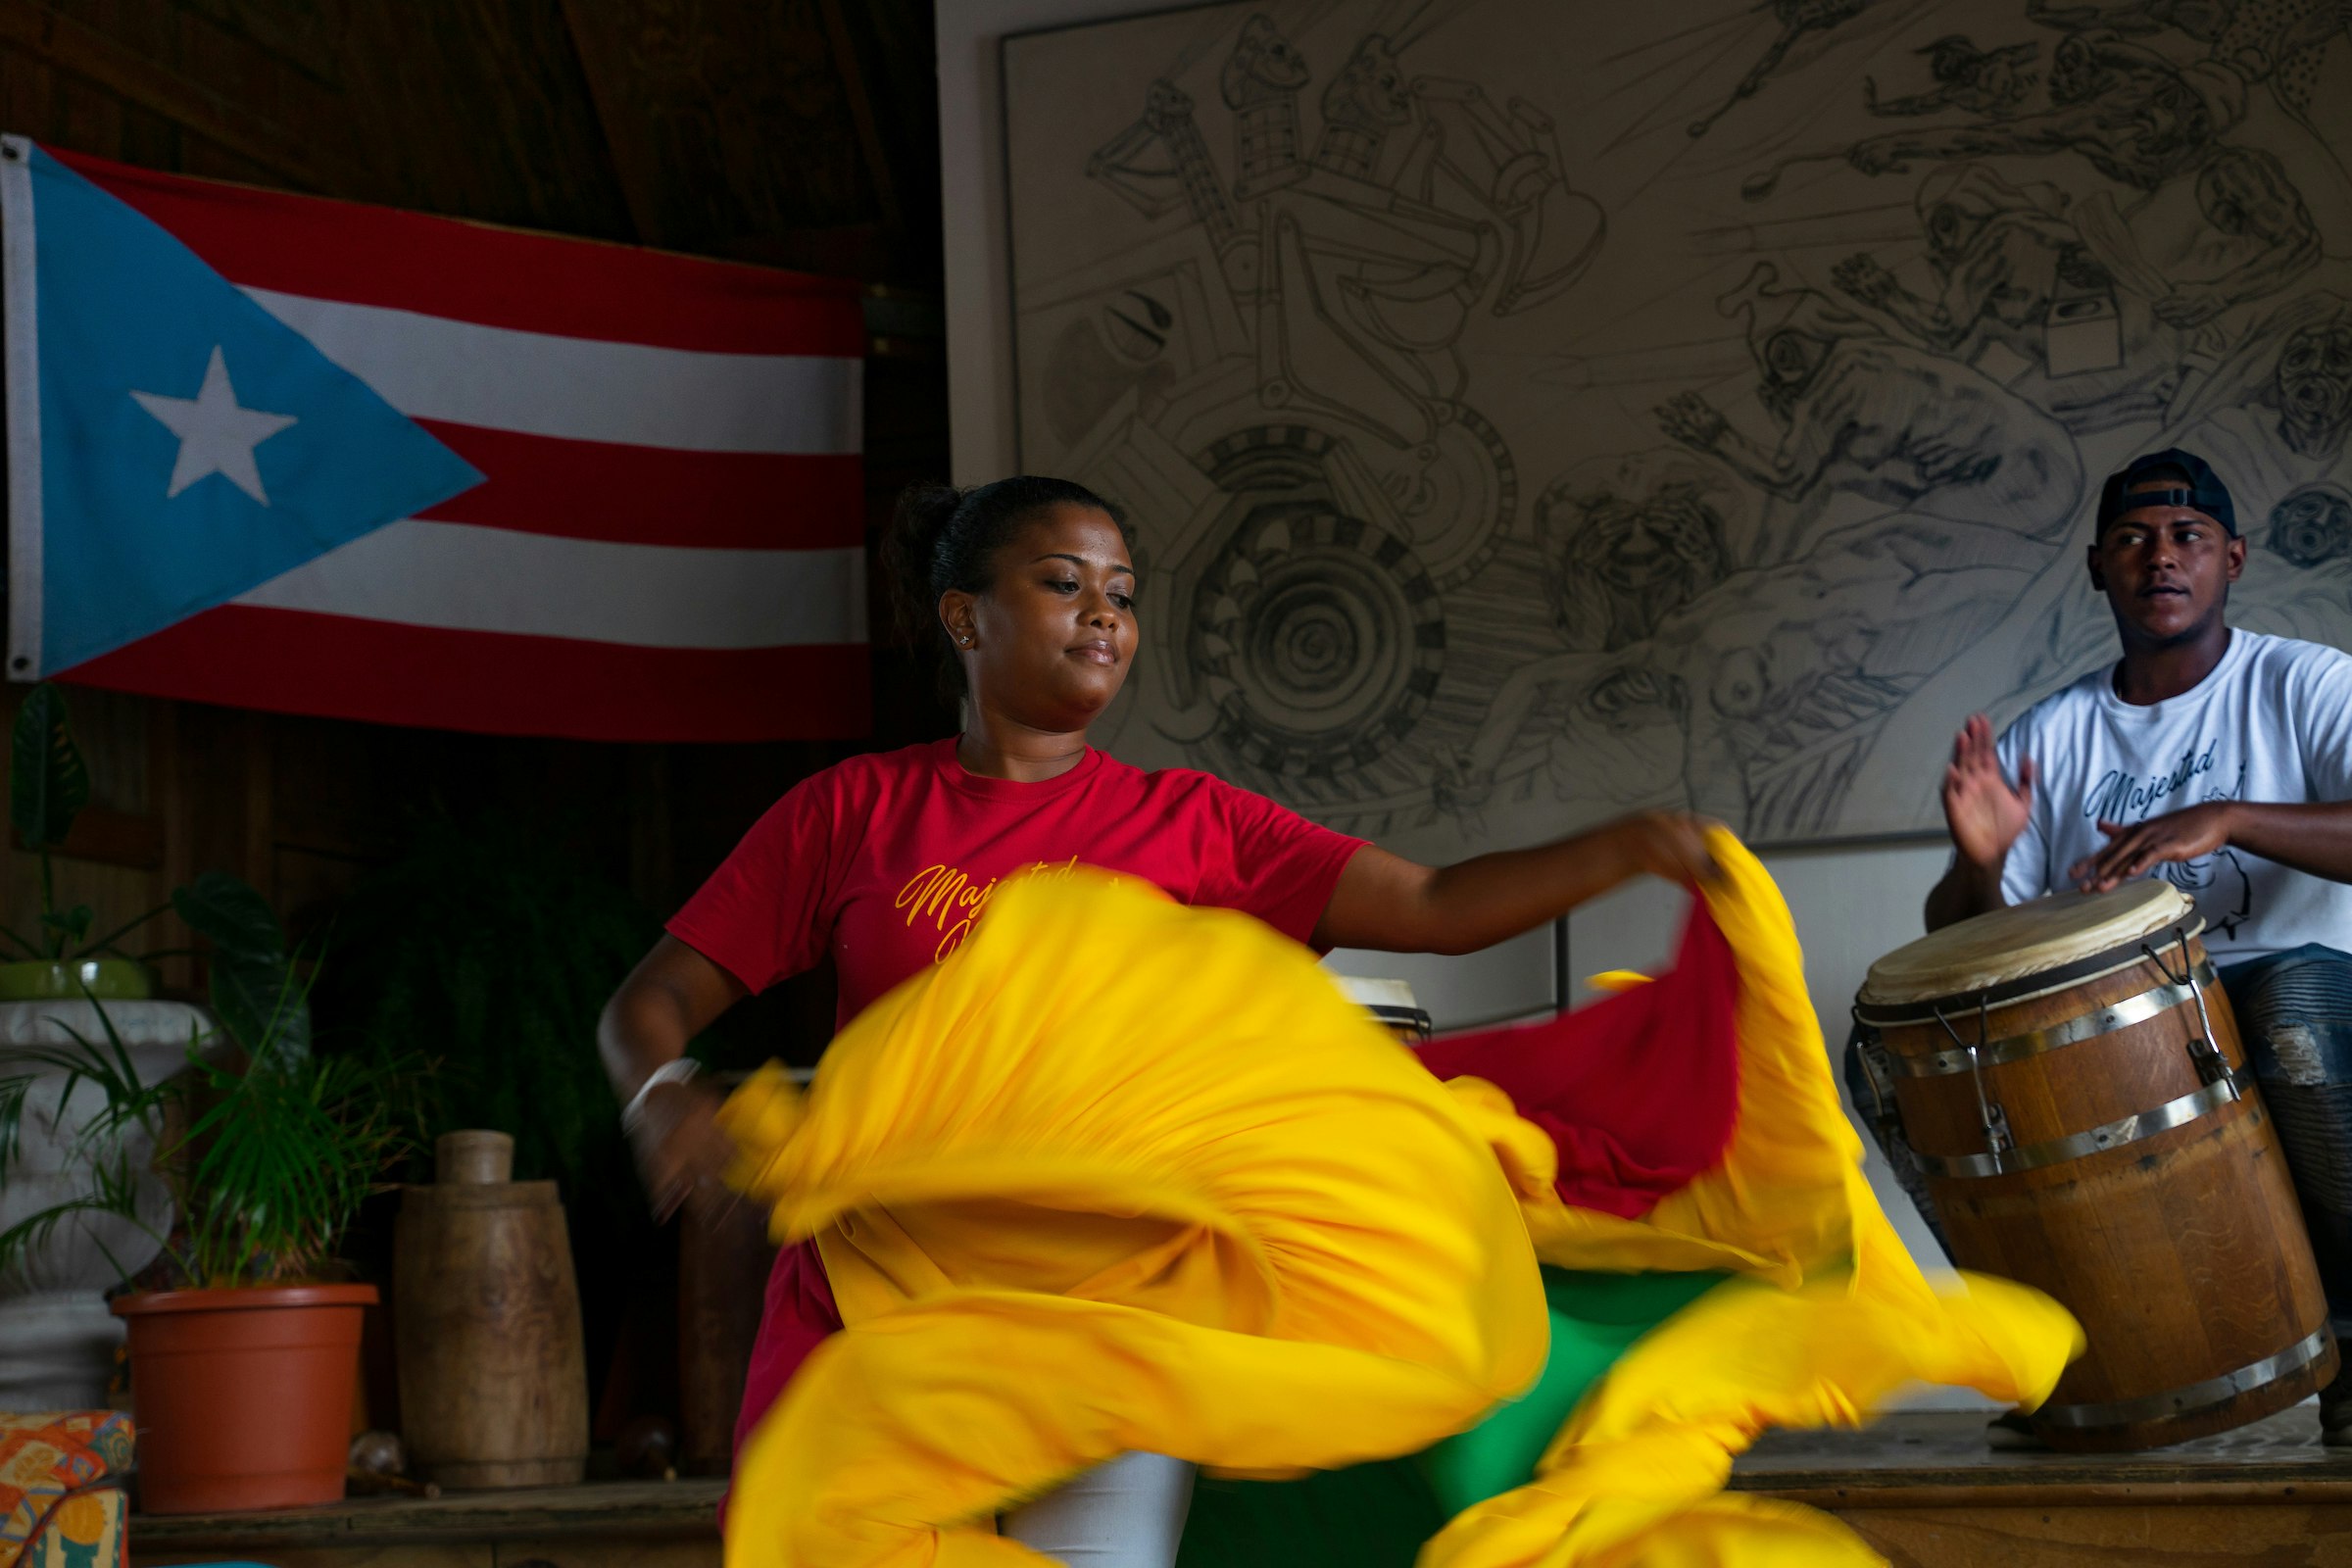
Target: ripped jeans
[2294,1012]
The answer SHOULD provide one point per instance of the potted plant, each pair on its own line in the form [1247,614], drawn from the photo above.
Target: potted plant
[244,1353]
[57,1340]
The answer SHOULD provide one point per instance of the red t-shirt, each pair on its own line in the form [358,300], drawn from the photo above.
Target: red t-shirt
[884,861]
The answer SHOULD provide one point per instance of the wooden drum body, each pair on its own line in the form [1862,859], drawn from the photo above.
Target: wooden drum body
[2080,1108]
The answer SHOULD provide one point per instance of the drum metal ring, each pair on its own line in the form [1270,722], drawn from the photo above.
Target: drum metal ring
[2025,988]
[2191,1398]
[2116,1016]
[2116,1134]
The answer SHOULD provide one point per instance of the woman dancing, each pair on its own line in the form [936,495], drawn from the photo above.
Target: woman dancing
[884,861]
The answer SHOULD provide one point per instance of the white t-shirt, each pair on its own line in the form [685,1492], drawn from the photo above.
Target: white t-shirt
[2272,723]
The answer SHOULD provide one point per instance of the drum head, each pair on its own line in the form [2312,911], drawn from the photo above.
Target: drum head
[2022,941]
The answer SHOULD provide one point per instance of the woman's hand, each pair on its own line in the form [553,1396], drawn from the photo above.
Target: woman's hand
[681,1153]
[1671,846]
[673,995]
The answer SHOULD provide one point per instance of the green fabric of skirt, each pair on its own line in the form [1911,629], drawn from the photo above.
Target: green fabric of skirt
[1378,1515]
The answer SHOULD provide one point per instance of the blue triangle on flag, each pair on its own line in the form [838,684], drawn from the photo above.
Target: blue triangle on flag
[192,446]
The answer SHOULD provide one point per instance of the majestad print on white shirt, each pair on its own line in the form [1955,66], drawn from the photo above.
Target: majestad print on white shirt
[2272,723]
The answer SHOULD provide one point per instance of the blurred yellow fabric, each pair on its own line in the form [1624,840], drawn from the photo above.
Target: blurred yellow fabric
[1832,1319]
[1119,1174]
[1126,1175]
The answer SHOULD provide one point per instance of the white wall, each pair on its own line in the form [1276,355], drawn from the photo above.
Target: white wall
[1850,906]
[972,145]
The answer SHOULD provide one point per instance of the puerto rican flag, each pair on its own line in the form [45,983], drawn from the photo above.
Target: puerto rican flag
[300,454]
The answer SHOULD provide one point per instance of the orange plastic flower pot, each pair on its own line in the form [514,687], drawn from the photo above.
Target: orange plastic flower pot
[243,1397]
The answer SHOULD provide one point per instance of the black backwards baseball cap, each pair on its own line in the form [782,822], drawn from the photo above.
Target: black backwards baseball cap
[2204,492]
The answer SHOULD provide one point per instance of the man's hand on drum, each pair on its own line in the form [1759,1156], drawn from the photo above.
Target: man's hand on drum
[2135,848]
[1985,811]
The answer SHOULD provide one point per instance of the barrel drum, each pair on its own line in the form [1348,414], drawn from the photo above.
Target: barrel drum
[2069,1077]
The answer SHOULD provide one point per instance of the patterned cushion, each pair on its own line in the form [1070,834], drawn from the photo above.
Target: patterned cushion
[88,1528]
[61,1500]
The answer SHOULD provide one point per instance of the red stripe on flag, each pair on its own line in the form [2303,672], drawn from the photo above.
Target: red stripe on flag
[655,496]
[295,662]
[494,276]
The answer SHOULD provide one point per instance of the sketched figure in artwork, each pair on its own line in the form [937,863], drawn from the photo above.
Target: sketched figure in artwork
[1354,272]
[1367,103]
[1797,18]
[2019,265]
[1997,250]
[1612,731]
[1888,422]
[2127,110]
[2284,45]
[2312,384]
[2201,20]
[2278,412]
[2247,235]
[1629,541]
[2280,44]
[2312,527]
[1992,82]
[1775,678]
[2310,530]
[1260,83]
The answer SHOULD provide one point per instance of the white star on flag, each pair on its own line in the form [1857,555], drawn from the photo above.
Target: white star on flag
[216,436]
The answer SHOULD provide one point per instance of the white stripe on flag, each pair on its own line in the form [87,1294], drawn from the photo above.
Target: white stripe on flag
[584,389]
[464,578]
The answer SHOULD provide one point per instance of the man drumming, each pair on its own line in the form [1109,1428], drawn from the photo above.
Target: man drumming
[2221,760]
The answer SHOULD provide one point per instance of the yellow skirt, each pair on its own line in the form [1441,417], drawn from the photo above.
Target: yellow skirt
[1126,1175]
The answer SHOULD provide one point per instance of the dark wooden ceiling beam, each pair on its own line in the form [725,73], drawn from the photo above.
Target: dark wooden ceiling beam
[67,45]
[862,114]
[631,165]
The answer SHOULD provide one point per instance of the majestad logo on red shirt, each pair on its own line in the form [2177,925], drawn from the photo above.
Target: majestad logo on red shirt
[954,900]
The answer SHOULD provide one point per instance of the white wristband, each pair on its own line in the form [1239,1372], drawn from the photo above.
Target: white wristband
[670,1072]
